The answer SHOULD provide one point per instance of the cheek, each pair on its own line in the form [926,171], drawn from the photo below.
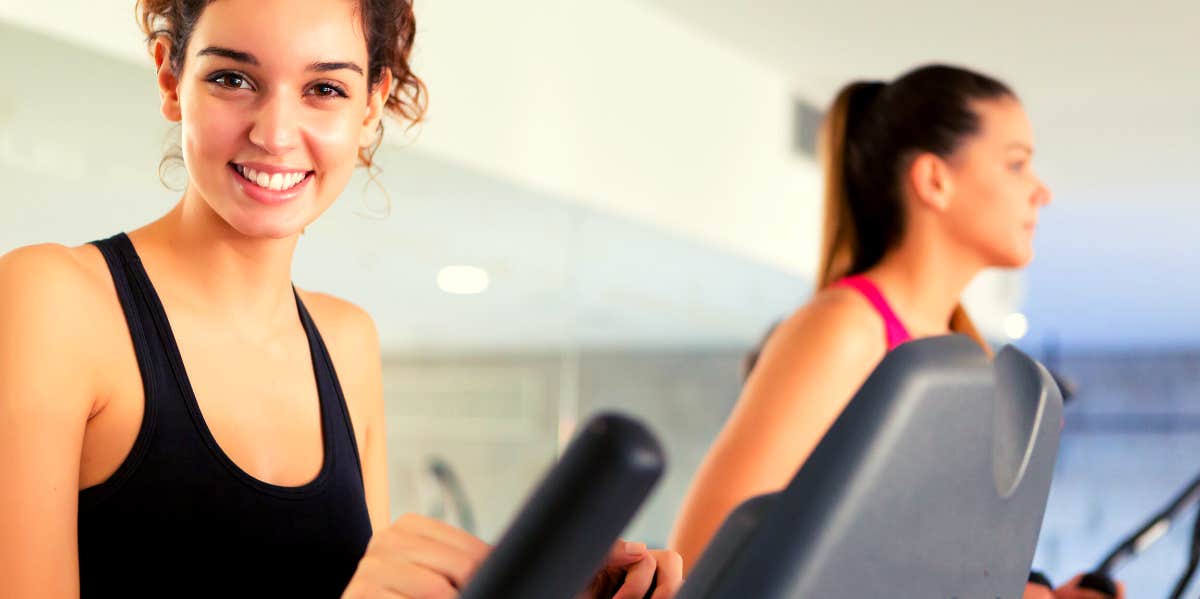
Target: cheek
[333,141]
[211,132]
[982,215]
[999,223]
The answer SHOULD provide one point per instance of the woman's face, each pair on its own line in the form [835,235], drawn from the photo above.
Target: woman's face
[274,104]
[994,208]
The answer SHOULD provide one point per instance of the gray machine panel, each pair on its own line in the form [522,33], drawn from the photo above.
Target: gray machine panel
[932,484]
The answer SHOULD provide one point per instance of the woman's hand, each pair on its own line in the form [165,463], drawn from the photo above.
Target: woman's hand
[417,558]
[631,569]
[1071,590]
[421,558]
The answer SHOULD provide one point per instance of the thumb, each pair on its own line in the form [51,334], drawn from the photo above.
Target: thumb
[624,553]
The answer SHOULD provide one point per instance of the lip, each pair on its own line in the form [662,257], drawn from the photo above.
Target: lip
[269,197]
[271,168]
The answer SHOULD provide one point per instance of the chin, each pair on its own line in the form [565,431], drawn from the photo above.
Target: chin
[1018,259]
[1006,257]
[266,228]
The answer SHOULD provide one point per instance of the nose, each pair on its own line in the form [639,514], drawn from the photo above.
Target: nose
[276,128]
[1042,195]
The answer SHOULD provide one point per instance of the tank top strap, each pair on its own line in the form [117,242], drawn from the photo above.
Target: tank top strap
[894,328]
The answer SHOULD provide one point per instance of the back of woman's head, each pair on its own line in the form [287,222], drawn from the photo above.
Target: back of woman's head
[872,134]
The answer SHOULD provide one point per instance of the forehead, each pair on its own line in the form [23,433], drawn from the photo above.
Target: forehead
[283,33]
[1003,121]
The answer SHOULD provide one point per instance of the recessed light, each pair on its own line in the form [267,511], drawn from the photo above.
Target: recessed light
[460,279]
[1016,325]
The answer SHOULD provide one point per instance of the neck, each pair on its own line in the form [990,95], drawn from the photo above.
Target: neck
[215,270]
[923,279]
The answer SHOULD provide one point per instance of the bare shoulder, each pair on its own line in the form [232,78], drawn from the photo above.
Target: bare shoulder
[56,302]
[66,285]
[837,321]
[342,323]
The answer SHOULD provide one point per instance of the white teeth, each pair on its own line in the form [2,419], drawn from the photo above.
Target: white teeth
[276,182]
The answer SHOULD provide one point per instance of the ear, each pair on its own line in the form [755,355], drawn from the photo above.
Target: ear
[930,179]
[376,103]
[168,82]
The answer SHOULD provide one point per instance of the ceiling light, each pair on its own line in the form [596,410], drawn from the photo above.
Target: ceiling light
[460,279]
[1016,325]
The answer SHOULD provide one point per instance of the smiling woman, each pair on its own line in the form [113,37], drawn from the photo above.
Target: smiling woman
[220,431]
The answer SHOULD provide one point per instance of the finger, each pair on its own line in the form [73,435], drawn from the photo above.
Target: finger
[624,553]
[447,560]
[1037,591]
[1072,590]
[397,579]
[440,531]
[412,580]
[1079,593]
[669,575]
[638,578]
[1073,583]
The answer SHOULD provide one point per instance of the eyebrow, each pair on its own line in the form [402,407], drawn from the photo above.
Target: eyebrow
[244,57]
[322,67]
[248,58]
[1016,145]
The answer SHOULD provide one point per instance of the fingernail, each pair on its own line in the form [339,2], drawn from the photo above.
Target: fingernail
[632,548]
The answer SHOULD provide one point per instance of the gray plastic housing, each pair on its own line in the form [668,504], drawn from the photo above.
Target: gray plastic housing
[931,484]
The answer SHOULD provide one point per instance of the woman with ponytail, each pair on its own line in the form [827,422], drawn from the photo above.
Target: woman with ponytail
[928,181]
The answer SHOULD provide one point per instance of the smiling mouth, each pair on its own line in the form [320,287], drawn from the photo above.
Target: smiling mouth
[271,181]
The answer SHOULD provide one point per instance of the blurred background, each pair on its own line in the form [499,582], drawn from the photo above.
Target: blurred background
[610,202]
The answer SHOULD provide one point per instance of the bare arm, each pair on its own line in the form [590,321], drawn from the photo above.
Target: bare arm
[809,370]
[46,397]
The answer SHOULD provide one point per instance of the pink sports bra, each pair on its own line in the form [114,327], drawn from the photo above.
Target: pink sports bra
[896,333]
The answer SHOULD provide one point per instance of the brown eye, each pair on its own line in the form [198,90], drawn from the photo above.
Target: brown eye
[230,80]
[328,90]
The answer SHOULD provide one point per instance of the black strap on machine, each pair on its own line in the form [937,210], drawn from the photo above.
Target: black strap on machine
[1145,536]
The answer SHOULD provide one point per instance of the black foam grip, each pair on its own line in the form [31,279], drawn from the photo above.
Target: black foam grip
[1100,582]
[1038,578]
[560,537]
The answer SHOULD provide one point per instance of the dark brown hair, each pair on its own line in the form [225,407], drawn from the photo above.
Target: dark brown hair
[872,133]
[389,26]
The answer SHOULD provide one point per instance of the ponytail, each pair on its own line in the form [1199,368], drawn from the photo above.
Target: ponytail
[840,244]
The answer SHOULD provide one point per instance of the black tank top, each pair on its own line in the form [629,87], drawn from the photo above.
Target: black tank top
[179,518]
